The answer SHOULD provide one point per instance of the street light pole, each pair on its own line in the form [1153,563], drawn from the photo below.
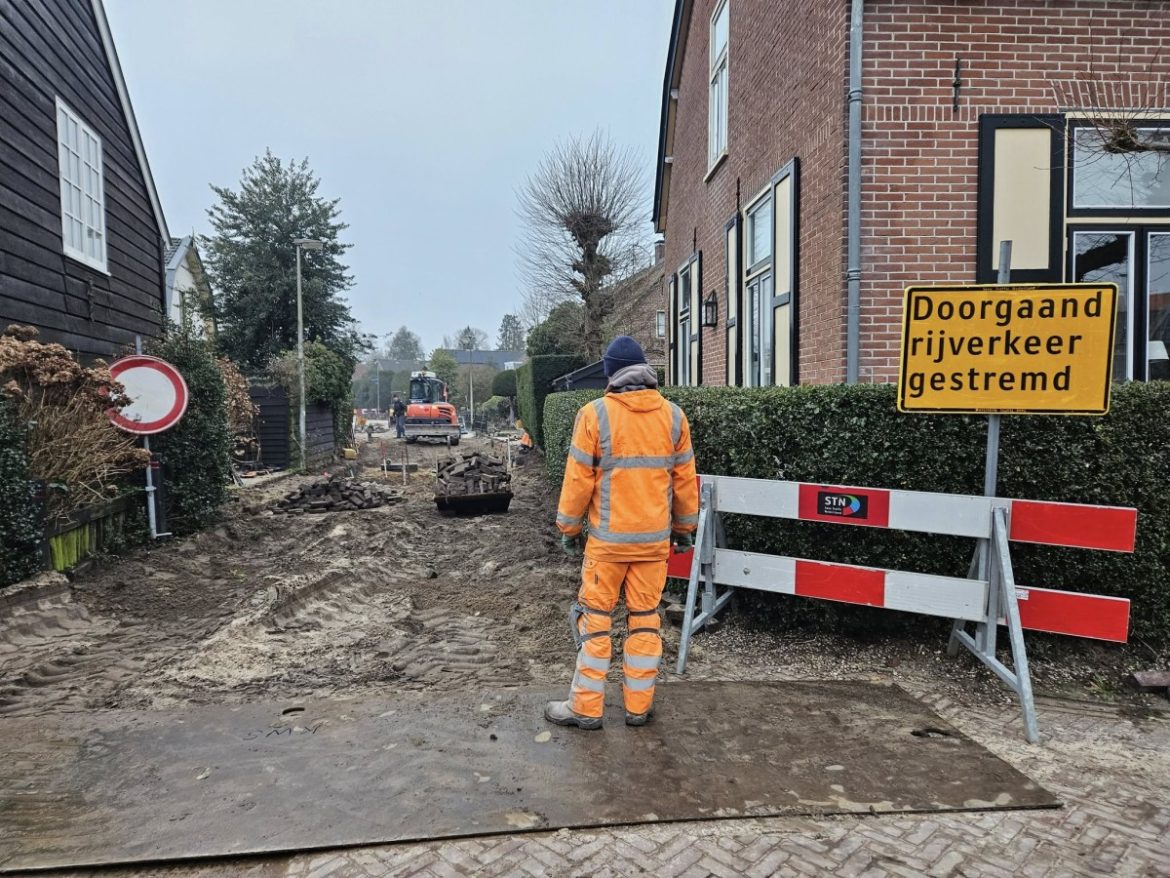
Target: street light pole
[302,244]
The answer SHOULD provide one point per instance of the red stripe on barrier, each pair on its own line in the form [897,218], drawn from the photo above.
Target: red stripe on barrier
[842,505]
[678,564]
[1081,615]
[838,582]
[1112,528]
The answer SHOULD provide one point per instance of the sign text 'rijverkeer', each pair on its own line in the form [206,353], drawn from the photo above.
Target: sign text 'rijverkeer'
[1013,348]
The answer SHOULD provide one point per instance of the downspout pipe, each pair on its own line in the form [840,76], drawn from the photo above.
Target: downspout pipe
[853,198]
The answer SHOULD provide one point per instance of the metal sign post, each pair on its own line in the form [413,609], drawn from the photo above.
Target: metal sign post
[158,399]
[990,477]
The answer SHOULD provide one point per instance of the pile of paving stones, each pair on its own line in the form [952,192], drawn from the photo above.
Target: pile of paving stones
[472,472]
[335,494]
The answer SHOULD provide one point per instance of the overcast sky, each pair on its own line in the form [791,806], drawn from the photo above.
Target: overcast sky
[423,117]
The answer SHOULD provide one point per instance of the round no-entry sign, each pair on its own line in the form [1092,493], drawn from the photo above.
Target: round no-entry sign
[157,392]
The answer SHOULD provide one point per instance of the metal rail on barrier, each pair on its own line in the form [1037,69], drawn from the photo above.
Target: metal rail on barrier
[984,599]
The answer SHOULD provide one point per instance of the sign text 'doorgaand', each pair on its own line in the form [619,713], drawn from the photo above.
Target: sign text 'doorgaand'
[1027,349]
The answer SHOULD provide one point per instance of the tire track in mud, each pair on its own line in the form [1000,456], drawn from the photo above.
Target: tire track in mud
[394,599]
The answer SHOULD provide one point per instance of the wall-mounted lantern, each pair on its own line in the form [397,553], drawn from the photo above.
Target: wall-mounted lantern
[660,324]
[711,310]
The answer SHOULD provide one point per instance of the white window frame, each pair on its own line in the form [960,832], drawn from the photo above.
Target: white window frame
[760,327]
[82,184]
[683,345]
[1126,295]
[1077,161]
[717,92]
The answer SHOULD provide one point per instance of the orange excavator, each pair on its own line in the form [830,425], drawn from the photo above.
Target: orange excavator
[428,414]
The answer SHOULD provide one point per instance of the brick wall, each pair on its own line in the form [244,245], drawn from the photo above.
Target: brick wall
[788,81]
[786,98]
[920,158]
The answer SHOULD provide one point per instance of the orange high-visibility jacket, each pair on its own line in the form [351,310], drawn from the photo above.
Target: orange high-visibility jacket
[632,470]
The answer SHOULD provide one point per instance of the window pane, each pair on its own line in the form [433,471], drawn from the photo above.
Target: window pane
[760,232]
[767,327]
[1134,179]
[1159,292]
[1106,257]
[719,33]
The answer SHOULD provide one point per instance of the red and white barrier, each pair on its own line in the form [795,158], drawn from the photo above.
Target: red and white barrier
[989,599]
[1108,528]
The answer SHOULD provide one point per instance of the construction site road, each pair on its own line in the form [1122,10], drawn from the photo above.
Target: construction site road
[403,599]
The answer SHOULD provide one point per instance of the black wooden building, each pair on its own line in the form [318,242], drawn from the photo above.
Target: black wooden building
[81,226]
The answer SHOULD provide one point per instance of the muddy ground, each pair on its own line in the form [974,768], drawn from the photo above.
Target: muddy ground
[401,598]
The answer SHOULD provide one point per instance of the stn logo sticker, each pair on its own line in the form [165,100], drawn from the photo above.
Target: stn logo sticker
[845,505]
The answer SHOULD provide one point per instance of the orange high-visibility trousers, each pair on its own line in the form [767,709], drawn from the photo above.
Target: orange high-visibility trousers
[591,617]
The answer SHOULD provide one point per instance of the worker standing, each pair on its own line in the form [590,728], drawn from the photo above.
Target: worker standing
[398,407]
[631,474]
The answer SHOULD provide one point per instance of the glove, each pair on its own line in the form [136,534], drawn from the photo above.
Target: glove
[572,545]
[683,541]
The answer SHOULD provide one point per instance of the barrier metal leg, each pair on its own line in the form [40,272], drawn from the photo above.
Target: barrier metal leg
[1011,612]
[1003,587]
[693,581]
[960,625]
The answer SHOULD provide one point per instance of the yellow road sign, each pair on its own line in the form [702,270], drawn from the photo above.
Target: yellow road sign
[1022,348]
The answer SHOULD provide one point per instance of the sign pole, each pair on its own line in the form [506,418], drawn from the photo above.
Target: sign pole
[150,511]
[991,465]
[987,633]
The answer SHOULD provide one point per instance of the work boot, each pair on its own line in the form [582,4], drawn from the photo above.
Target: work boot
[639,719]
[561,714]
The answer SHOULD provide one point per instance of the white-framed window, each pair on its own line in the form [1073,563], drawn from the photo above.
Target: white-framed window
[83,202]
[717,102]
[1120,180]
[758,286]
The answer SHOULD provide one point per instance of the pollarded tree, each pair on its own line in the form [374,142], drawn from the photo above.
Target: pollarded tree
[252,262]
[583,211]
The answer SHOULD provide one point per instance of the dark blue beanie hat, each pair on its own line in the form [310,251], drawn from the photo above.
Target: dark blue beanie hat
[622,351]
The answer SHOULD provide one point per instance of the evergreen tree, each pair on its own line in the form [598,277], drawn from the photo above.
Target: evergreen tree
[252,262]
[562,332]
[446,367]
[511,336]
[471,339]
[405,345]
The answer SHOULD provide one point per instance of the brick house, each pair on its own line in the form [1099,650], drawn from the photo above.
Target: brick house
[817,156]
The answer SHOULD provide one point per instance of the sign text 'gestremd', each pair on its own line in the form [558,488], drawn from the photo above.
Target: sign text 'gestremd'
[986,349]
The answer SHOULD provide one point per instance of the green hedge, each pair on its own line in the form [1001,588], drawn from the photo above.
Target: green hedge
[20,530]
[196,453]
[534,383]
[855,436]
[504,383]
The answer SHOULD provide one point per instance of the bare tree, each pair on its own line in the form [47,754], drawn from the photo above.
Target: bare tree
[1116,145]
[584,216]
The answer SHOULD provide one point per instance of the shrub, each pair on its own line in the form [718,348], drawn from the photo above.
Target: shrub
[71,444]
[855,436]
[20,530]
[196,452]
[534,383]
[504,383]
[327,381]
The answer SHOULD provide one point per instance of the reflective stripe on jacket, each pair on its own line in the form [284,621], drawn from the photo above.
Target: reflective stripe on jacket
[632,471]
